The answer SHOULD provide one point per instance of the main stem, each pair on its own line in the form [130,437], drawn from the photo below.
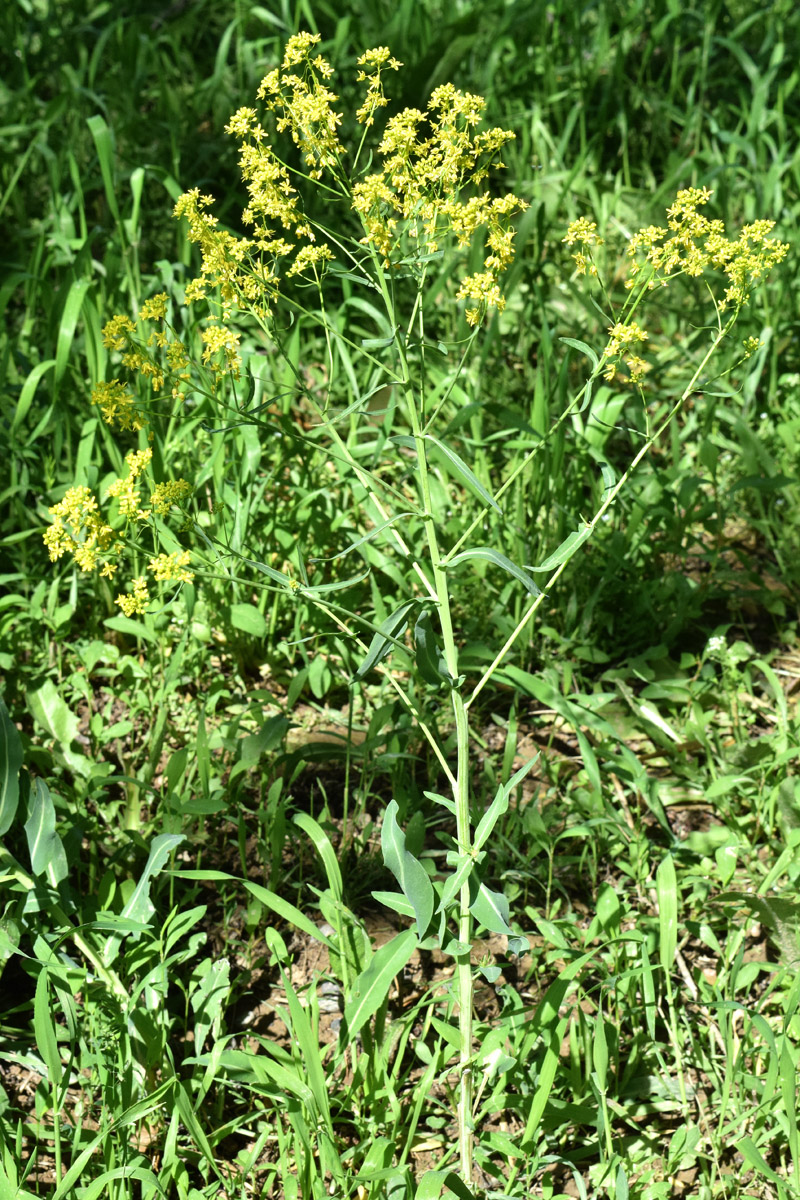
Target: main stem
[462,780]
[460,795]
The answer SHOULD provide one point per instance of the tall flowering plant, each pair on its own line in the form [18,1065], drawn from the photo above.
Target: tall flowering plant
[397,203]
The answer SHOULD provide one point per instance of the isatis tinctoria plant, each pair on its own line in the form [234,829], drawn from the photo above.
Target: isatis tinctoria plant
[379,209]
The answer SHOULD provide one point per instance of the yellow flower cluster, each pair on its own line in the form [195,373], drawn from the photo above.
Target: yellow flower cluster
[126,492]
[137,600]
[303,104]
[116,404]
[622,339]
[164,495]
[166,568]
[584,232]
[692,244]
[79,529]
[169,568]
[218,339]
[374,62]
[428,160]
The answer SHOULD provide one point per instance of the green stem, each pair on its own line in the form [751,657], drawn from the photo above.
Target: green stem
[461,789]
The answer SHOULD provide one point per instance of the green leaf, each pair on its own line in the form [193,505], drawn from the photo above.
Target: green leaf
[248,619]
[47,854]
[372,986]
[324,849]
[491,910]
[29,391]
[408,871]
[490,818]
[45,1031]
[462,472]
[565,551]
[396,901]
[287,911]
[667,892]
[69,320]
[373,533]
[385,638]
[431,1184]
[452,885]
[140,907]
[10,764]
[430,660]
[132,628]
[583,349]
[105,152]
[754,1158]
[499,560]
[600,1051]
[308,1044]
[376,343]
[270,572]
[53,715]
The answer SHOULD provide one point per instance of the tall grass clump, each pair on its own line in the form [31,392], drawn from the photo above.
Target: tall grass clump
[338,326]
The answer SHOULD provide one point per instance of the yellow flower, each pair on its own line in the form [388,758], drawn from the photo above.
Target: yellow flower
[166,494]
[137,601]
[79,530]
[172,567]
[125,490]
[374,62]
[154,309]
[118,406]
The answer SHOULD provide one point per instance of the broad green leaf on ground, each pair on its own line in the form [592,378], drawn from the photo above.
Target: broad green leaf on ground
[51,712]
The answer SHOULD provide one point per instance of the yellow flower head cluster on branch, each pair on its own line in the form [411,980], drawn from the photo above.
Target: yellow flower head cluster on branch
[412,203]
[79,529]
[690,244]
[155,358]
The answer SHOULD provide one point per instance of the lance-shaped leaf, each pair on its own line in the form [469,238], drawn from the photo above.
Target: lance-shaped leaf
[430,660]
[499,805]
[456,467]
[565,551]
[494,812]
[372,986]
[499,560]
[44,845]
[373,533]
[583,348]
[385,638]
[491,910]
[408,871]
[10,763]
[140,906]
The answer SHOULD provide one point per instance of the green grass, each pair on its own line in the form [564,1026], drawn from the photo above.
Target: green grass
[191,847]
